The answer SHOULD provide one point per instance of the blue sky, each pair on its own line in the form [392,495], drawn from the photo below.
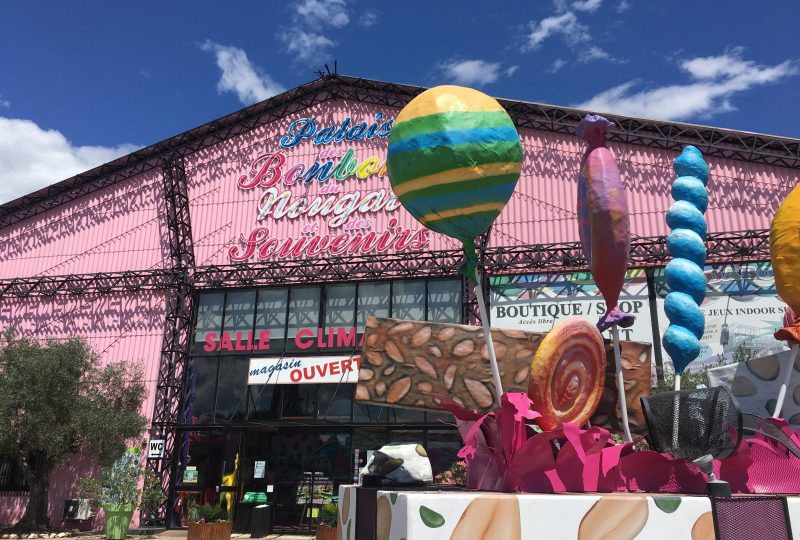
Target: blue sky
[84,82]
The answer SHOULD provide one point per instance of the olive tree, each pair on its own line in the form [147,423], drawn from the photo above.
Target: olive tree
[56,400]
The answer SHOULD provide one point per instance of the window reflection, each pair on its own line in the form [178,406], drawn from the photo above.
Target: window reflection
[340,306]
[239,312]
[373,299]
[271,315]
[232,389]
[299,400]
[263,403]
[444,301]
[408,300]
[304,303]
[209,317]
[335,402]
[200,388]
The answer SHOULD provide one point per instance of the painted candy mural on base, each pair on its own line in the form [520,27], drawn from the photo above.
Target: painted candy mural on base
[454,515]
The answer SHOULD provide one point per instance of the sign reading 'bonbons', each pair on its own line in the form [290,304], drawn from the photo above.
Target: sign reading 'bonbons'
[303,370]
[336,211]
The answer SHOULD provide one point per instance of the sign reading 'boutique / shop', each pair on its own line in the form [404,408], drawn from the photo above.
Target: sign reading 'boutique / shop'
[303,370]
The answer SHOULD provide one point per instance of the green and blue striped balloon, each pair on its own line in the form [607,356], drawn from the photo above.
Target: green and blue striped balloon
[454,160]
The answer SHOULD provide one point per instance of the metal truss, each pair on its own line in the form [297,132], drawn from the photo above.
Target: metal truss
[541,258]
[79,284]
[742,146]
[728,247]
[177,328]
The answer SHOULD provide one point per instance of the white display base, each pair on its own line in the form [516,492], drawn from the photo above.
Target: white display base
[462,515]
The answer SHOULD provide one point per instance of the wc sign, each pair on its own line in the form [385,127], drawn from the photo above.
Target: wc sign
[156,449]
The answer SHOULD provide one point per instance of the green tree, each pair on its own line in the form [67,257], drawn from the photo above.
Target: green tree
[57,400]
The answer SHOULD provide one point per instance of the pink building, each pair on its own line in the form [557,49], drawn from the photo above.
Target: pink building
[272,232]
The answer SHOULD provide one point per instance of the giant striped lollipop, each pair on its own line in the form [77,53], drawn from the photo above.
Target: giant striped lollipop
[454,159]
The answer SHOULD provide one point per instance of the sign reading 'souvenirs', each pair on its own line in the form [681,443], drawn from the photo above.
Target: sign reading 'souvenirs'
[335,196]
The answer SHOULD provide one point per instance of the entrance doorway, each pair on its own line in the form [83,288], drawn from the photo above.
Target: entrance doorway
[207,472]
[299,470]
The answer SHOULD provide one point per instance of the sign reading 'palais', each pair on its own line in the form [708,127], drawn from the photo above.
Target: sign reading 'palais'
[334,215]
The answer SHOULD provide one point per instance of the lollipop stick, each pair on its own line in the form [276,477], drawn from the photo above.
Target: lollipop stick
[487,334]
[676,411]
[785,383]
[623,402]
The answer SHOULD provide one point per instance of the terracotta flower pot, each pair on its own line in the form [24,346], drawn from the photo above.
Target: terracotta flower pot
[210,531]
[327,533]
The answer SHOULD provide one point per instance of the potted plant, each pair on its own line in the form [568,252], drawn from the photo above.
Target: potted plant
[152,498]
[209,522]
[328,517]
[117,493]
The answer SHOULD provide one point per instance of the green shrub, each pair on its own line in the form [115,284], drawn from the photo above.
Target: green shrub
[328,514]
[208,513]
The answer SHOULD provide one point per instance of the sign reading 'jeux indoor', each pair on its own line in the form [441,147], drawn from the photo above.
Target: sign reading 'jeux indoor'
[330,183]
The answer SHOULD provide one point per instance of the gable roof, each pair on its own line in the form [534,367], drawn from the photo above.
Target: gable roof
[730,144]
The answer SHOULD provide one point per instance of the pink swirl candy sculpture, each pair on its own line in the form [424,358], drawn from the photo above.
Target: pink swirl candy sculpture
[604,228]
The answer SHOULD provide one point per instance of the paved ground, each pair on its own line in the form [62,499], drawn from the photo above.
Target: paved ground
[179,534]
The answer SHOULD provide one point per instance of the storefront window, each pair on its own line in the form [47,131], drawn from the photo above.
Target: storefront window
[408,300]
[399,415]
[239,313]
[232,389]
[333,463]
[335,401]
[443,447]
[405,436]
[299,400]
[271,315]
[365,413]
[373,299]
[304,303]
[264,403]
[209,317]
[201,390]
[444,301]
[440,417]
[340,306]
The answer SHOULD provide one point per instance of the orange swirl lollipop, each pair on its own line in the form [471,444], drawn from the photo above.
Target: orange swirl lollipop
[567,373]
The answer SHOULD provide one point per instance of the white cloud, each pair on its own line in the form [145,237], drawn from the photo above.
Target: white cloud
[557,65]
[368,18]
[33,157]
[568,27]
[240,76]
[593,52]
[323,12]
[474,72]
[713,82]
[560,6]
[565,25]
[4,102]
[587,5]
[306,47]
[305,39]
[623,6]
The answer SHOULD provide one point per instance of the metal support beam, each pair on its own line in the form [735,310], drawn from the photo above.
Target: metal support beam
[177,330]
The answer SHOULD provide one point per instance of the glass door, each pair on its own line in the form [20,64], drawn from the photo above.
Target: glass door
[207,472]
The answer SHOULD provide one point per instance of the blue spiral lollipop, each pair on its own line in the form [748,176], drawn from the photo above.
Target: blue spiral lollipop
[684,273]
